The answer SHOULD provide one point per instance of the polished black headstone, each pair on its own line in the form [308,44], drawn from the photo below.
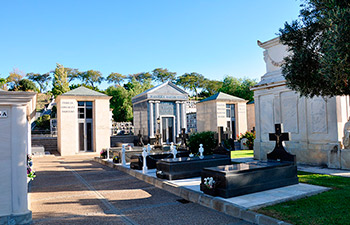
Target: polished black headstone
[245,178]
[186,167]
[220,149]
[279,153]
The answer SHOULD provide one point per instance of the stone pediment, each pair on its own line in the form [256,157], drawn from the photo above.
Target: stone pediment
[163,92]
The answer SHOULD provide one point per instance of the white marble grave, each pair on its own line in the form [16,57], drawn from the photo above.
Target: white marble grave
[316,124]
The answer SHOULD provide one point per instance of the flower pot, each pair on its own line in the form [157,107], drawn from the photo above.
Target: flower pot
[209,191]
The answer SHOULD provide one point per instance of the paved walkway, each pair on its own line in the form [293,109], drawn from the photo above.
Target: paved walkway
[76,190]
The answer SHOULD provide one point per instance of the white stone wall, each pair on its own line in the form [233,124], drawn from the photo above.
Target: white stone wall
[316,124]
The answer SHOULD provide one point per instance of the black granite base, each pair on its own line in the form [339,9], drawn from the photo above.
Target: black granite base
[245,178]
[136,161]
[181,168]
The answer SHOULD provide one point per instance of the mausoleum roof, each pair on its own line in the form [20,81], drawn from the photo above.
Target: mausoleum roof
[166,92]
[83,91]
[223,97]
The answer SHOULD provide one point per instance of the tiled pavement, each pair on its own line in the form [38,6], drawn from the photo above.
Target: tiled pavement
[76,190]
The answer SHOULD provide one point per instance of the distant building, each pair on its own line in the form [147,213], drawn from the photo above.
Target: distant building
[83,121]
[222,110]
[160,108]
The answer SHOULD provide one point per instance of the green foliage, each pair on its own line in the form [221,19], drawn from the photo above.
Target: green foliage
[41,79]
[210,87]
[238,87]
[191,81]
[206,138]
[13,79]
[319,43]
[162,75]
[60,83]
[250,138]
[73,74]
[121,98]
[140,77]
[74,86]
[43,122]
[27,85]
[116,78]
[331,207]
[3,83]
[91,77]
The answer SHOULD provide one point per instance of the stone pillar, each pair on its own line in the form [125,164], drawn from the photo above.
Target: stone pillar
[183,116]
[178,121]
[151,119]
[157,113]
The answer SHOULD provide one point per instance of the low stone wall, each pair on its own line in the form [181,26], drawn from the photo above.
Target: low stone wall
[122,139]
[49,143]
[339,159]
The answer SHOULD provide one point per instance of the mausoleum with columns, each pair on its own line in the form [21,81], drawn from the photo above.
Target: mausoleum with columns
[162,107]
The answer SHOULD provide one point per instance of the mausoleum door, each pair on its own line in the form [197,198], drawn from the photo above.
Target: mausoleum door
[85,126]
[231,120]
[168,129]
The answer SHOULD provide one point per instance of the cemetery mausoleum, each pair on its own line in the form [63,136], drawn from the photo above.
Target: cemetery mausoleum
[162,108]
[83,121]
[316,124]
[222,110]
[17,111]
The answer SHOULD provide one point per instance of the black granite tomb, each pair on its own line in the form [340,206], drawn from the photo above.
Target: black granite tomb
[244,178]
[136,161]
[186,167]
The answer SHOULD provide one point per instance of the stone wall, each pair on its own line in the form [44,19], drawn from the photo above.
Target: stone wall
[49,143]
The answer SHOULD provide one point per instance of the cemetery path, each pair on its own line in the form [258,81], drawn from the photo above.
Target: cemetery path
[77,190]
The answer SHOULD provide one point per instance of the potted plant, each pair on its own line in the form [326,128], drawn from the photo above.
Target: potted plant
[103,154]
[116,159]
[30,172]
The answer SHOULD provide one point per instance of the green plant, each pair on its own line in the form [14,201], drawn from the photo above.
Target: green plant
[206,138]
[250,138]
[30,171]
[43,122]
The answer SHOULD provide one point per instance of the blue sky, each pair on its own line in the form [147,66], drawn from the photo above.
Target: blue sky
[214,38]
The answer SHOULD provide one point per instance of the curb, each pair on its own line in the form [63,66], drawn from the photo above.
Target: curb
[200,198]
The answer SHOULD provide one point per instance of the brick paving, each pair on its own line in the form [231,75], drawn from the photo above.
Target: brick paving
[77,190]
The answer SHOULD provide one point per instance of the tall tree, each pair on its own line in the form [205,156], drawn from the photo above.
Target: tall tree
[121,98]
[191,81]
[3,83]
[73,74]
[211,87]
[14,78]
[41,79]
[92,77]
[319,63]
[27,85]
[60,83]
[115,78]
[238,87]
[162,75]
[140,77]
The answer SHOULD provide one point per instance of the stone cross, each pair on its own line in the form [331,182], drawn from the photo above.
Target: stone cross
[218,136]
[279,153]
[183,136]
[140,136]
[158,139]
[144,155]
[174,152]
[278,136]
[201,150]
[123,155]
[228,132]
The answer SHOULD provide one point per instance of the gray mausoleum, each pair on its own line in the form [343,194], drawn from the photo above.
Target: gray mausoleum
[162,107]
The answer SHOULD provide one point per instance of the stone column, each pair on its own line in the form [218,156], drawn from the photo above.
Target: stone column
[157,114]
[183,116]
[178,129]
[19,148]
[151,119]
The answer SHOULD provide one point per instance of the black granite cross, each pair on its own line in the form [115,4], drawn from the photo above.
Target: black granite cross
[183,136]
[278,136]
[279,153]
